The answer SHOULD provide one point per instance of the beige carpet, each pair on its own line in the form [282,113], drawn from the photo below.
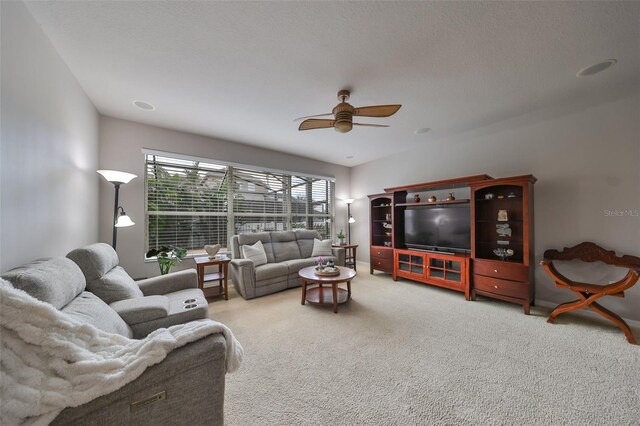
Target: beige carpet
[409,354]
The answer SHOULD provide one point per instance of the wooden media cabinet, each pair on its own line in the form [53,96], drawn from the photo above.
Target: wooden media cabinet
[440,269]
[500,260]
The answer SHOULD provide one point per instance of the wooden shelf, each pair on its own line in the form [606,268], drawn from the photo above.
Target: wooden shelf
[512,278]
[494,243]
[216,276]
[441,184]
[380,255]
[499,221]
[313,295]
[435,203]
[214,291]
[484,200]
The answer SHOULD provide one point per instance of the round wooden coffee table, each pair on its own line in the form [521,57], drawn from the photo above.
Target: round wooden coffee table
[330,295]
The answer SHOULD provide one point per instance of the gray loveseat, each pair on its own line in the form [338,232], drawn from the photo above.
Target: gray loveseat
[192,377]
[287,253]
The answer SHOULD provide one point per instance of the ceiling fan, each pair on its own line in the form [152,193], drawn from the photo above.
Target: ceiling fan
[343,115]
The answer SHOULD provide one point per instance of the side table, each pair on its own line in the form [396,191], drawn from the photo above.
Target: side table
[349,255]
[221,276]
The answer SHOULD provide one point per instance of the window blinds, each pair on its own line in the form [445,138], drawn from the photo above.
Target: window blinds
[193,203]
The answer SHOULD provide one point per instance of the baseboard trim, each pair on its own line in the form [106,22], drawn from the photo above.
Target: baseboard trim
[552,305]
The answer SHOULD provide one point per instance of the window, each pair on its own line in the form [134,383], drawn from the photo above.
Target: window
[191,203]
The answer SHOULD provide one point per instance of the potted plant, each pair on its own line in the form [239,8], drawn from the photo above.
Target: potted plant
[168,256]
[341,237]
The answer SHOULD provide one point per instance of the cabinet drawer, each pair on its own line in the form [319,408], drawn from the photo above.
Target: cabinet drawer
[515,289]
[502,270]
[382,264]
[382,253]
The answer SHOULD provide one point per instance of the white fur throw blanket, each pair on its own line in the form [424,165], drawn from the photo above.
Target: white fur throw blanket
[49,361]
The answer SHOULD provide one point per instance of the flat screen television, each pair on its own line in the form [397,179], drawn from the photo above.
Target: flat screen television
[439,228]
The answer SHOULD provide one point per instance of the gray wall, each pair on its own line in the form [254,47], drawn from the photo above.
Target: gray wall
[121,144]
[48,148]
[586,162]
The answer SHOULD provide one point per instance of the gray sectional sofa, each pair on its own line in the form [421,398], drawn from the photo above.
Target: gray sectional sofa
[193,376]
[287,253]
[145,305]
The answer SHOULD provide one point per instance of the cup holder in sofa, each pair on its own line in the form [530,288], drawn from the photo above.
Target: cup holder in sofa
[190,306]
[189,301]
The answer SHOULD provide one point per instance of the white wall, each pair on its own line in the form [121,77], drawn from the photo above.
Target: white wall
[586,162]
[48,148]
[121,144]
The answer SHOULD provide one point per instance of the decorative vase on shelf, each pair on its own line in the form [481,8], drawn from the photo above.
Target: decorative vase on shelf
[416,198]
[451,197]
[433,199]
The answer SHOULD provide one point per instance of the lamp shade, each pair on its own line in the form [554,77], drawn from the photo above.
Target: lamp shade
[351,219]
[124,221]
[348,200]
[115,176]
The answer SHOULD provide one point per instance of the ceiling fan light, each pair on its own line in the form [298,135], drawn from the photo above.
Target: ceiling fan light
[343,126]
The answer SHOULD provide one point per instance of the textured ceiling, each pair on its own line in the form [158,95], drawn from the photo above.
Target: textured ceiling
[243,71]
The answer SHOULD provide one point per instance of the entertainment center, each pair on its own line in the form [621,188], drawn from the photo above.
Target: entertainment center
[479,245]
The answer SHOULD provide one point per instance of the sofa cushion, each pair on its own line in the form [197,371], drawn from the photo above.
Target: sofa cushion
[285,246]
[295,265]
[115,285]
[321,248]
[95,260]
[271,270]
[56,281]
[88,308]
[305,239]
[252,238]
[254,253]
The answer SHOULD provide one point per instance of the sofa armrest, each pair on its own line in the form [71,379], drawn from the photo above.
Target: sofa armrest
[340,255]
[190,379]
[169,283]
[142,309]
[243,276]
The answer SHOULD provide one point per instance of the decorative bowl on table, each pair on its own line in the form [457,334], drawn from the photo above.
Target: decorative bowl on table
[327,271]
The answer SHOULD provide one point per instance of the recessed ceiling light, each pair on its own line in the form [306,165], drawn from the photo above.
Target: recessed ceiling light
[349,157]
[144,105]
[422,131]
[596,68]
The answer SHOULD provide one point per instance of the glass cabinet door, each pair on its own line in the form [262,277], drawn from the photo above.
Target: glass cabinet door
[450,270]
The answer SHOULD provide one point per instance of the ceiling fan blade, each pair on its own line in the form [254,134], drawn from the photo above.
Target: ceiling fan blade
[312,116]
[377,110]
[316,124]
[370,125]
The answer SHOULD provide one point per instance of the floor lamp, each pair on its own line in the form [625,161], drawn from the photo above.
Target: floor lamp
[350,219]
[120,220]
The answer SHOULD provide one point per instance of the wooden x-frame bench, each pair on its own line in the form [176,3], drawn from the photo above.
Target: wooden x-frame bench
[589,293]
